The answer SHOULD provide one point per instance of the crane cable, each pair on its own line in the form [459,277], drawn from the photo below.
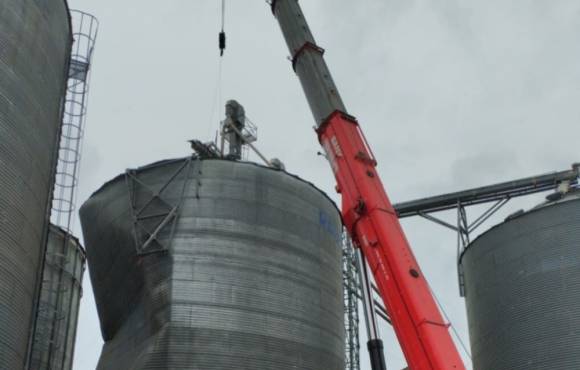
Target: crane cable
[453,328]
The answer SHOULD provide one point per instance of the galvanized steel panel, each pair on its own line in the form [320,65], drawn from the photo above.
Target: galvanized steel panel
[34,49]
[247,275]
[522,283]
[54,338]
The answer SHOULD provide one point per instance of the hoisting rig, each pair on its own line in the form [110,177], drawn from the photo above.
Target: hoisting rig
[367,212]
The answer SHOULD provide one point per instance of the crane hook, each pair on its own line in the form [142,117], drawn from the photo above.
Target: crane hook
[222,35]
[222,43]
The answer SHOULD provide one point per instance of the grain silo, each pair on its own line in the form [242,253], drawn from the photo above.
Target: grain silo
[53,339]
[58,307]
[215,264]
[522,281]
[35,41]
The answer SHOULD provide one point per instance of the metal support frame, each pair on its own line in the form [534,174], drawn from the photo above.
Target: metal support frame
[84,32]
[351,296]
[500,194]
[239,132]
[490,193]
[247,141]
[155,213]
[352,293]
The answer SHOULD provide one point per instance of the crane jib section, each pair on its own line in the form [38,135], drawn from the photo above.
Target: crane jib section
[375,228]
[367,212]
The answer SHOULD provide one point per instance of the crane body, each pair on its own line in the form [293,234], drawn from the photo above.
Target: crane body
[367,212]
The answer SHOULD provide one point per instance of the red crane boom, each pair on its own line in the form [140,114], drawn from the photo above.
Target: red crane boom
[367,212]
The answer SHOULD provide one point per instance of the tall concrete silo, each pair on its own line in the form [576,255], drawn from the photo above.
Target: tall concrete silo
[522,282]
[58,308]
[215,264]
[35,41]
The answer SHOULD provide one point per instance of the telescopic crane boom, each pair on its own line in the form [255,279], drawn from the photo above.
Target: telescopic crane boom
[366,210]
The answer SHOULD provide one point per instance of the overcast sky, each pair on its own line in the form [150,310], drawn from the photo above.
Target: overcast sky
[451,94]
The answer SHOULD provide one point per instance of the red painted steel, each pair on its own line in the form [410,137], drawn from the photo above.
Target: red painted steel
[374,227]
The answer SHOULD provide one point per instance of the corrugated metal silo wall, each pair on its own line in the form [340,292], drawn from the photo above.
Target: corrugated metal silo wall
[56,326]
[35,40]
[523,292]
[251,278]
